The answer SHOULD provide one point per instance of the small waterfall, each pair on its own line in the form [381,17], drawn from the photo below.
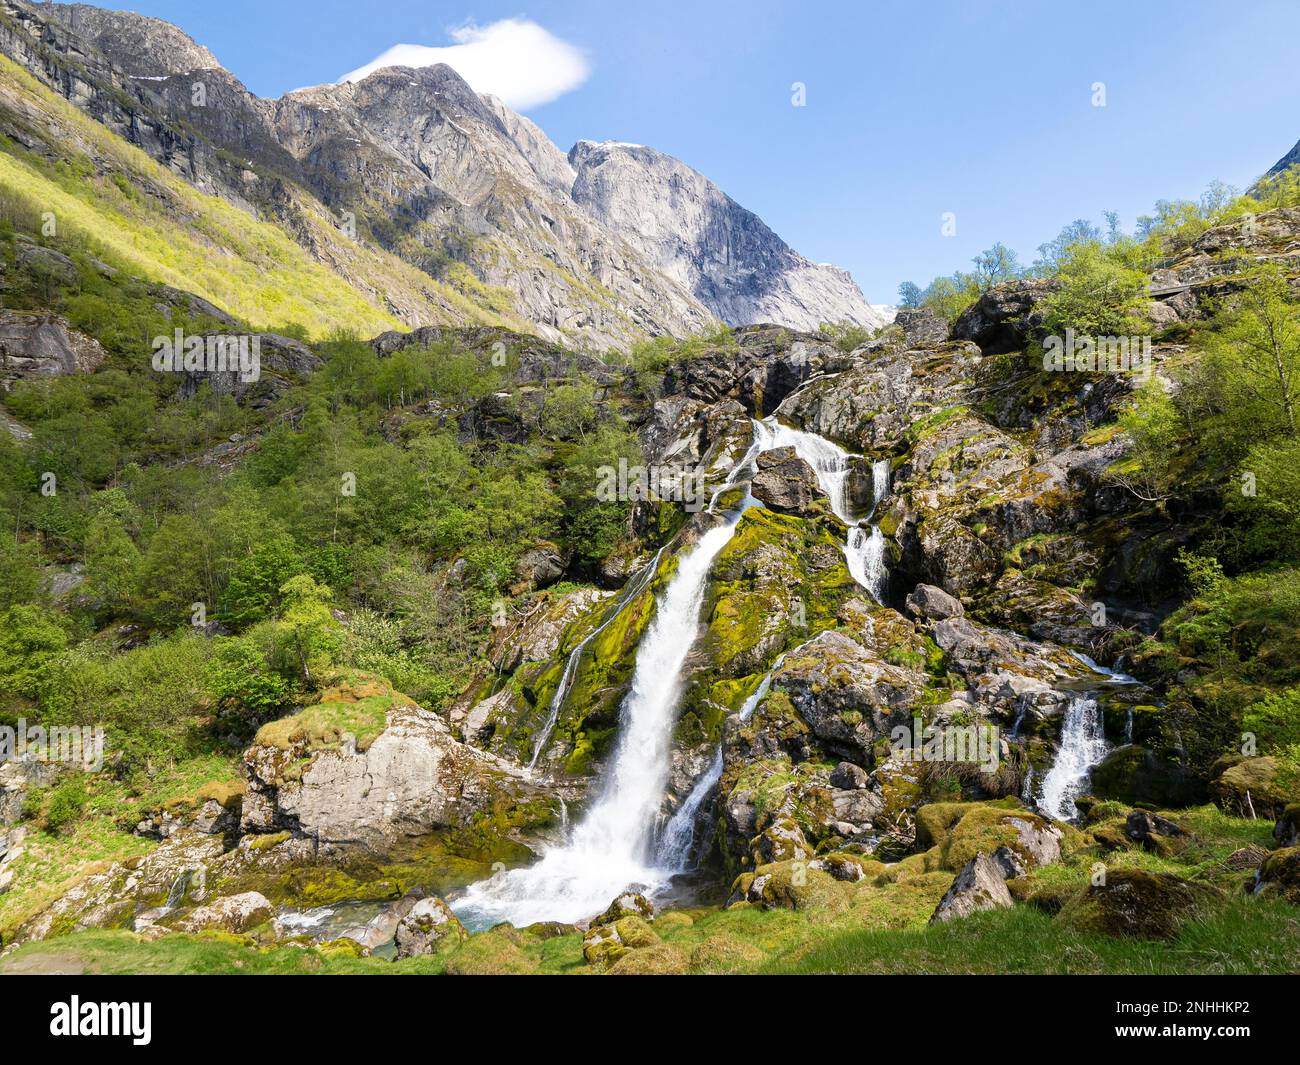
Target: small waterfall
[1113,675]
[634,588]
[864,547]
[1082,746]
[678,840]
[1128,727]
[1015,725]
[180,887]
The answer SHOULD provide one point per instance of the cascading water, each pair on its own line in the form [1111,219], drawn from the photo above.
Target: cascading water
[1083,745]
[609,851]
[634,588]
[864,546]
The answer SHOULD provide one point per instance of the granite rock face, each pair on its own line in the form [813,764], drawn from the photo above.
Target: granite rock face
[689,229]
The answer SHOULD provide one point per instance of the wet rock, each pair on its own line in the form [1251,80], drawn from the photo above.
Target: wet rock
[628,904]
[981,885]
[429,927]
[382,928]
[786,483]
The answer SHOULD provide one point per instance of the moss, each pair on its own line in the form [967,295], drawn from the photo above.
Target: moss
[359,708]
[1137,903]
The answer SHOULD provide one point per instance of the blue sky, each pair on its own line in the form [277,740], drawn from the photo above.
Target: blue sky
[913,109]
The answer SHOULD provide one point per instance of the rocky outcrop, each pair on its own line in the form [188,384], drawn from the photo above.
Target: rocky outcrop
[686,227]
[43,345]
[405,782]
[1004,317]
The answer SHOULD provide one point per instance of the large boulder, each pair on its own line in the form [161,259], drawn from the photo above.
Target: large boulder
[927,601]
[232,913]
[367,766]
[981,885]
[1137,903]
[429,927]
[1005,317]
[786,483]
[1249,787]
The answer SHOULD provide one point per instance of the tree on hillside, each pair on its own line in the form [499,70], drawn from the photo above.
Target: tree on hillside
[1259,345]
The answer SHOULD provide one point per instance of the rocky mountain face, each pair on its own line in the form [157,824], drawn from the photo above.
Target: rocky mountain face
[696,234]
[1287,161]
[416,163]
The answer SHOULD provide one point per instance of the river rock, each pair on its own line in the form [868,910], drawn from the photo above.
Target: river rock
[231,913]
[429,927]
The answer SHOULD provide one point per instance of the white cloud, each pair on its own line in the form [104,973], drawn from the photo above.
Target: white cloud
[515,59]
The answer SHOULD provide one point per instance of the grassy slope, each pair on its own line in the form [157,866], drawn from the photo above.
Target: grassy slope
[151,222]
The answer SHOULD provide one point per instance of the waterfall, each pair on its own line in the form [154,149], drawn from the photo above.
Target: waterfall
[1082,746]
[678,840]
[609,850]
[864,547]
[634,588]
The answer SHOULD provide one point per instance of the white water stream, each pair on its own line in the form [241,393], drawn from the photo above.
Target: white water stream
[612,848]
[864,546]
[1082,746]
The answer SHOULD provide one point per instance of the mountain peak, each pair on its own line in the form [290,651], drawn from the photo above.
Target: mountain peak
[139,45]
[699,236]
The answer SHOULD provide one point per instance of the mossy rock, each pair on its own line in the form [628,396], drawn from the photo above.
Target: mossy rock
[1138,904]
[1133,774]
[660,959]
[956,832]
[357,708]
[1281,875]
[603,945]
[494,953]
[1251,785]
[792,885]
